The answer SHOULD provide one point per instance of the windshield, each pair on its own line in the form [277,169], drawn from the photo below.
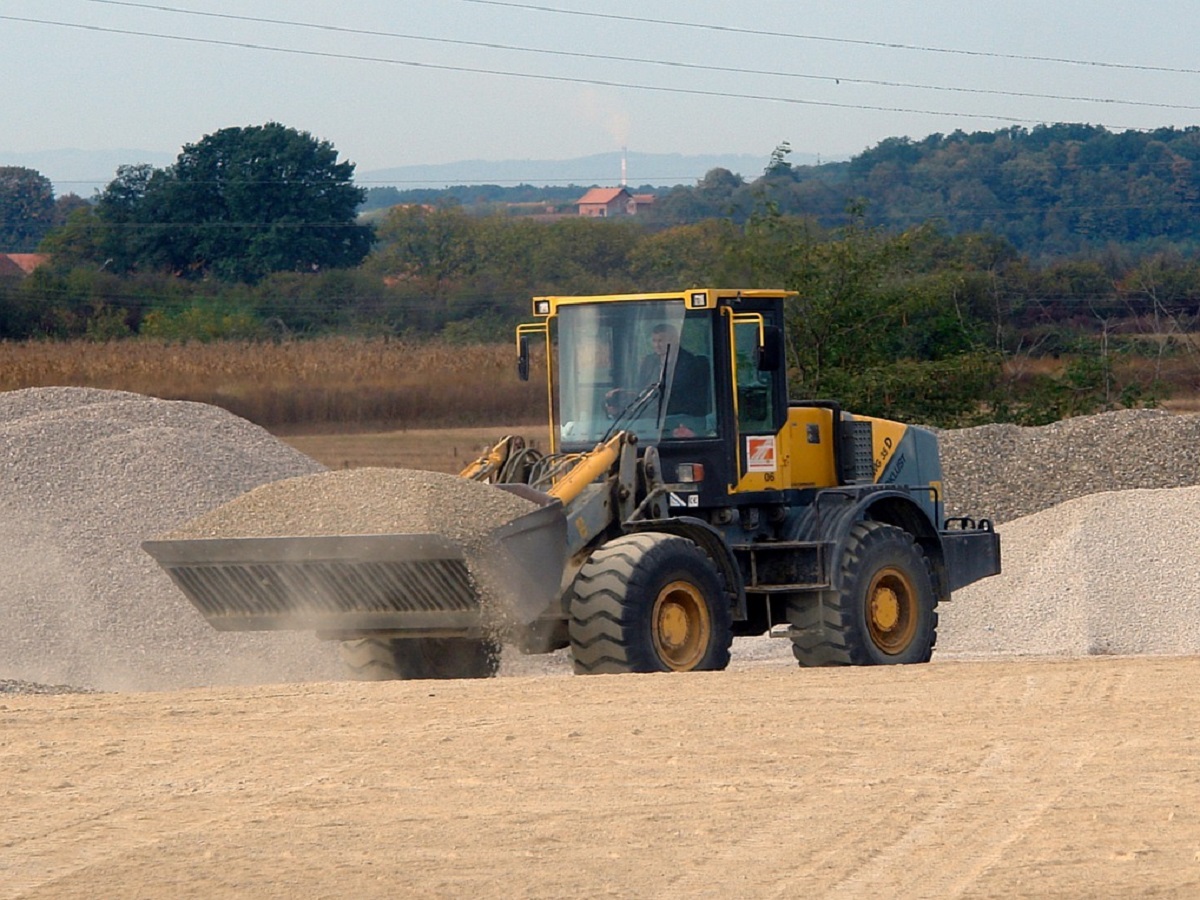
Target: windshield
[641,366]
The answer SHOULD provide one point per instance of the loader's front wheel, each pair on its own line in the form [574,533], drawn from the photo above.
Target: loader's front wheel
[883,612]
[385,659]
[649,603]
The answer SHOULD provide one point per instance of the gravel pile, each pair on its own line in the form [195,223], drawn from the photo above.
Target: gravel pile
[1111,573]
[1003,472]
[1095,517]
[87,476]
[1094,513]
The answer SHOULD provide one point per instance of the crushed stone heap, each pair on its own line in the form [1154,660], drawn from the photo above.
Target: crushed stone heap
[1110,573]
[87,476]
[1094,519]
[1004,472]
[1094,516]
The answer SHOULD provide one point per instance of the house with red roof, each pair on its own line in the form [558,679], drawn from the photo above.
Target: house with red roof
[604,203]
[21,264]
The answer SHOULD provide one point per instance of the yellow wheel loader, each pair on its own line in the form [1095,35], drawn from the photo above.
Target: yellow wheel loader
[682,499]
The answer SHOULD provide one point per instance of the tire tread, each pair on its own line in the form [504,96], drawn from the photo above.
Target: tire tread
[602,626]
[825,630]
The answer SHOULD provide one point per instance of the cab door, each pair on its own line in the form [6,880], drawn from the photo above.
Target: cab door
[759,398]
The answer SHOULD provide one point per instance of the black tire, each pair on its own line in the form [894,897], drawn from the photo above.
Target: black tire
[884,613]
[649,602]
[384,659]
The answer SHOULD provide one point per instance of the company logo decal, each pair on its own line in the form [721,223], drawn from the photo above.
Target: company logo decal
[760,453]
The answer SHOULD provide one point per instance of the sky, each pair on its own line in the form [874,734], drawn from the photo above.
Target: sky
[406,82]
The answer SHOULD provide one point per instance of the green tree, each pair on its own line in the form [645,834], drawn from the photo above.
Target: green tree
[867,320]
[681,256]
[266,199]
[65,205]
[26,208]
[778,166]
[429,249]
[129,233]
[239,204]
[579,255]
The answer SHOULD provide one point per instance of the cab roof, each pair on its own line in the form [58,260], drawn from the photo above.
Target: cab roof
[695,298]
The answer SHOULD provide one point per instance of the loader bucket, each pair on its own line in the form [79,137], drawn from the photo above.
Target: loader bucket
[347,584]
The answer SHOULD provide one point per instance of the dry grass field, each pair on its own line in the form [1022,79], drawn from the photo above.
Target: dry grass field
[380,388]
[345,402]
[329,384]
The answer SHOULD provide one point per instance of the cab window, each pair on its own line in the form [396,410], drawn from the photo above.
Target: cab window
[755,396]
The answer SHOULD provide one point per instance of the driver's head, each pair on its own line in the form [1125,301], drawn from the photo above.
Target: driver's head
[662,338]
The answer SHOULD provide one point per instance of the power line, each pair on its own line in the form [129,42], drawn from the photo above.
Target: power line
[889,45]
[603,57]
[560,79]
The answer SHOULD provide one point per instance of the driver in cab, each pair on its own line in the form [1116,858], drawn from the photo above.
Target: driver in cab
[685,377]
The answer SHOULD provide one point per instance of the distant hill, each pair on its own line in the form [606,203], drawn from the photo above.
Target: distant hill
[83,172]
[659,169]
[1050,190]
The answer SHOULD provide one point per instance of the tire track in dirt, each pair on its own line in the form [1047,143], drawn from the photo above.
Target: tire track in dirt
[34,862]
[1024,778]
[1015,779]
[103,834]
[217,798]
[966,820]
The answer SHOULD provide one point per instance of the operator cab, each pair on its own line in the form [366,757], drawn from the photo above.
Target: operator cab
[691,373]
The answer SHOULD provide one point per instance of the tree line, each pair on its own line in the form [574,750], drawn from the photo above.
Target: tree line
[918,323]
[1048,190]
[29,210]
[253,234]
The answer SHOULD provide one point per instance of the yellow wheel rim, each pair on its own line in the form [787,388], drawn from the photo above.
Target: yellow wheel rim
[682,626]
[891,611]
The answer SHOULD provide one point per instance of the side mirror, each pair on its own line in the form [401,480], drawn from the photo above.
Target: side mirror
[523,358]
[769,357]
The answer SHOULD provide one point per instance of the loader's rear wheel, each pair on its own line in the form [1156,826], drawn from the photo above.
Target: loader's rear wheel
[649,603]
[884,612]
[383,659]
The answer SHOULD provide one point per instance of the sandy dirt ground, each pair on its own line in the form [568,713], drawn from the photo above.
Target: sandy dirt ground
[1015,778]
